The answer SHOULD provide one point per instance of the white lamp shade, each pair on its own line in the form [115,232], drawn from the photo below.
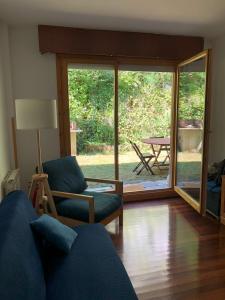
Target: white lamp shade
[35,114]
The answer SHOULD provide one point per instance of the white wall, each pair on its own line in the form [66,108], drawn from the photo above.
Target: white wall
[5,140]
[217,136]
[33,76]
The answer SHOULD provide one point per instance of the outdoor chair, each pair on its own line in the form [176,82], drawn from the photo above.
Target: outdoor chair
[144,160]
[74,204]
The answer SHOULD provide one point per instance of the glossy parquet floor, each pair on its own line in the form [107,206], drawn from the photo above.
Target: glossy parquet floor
[170,252]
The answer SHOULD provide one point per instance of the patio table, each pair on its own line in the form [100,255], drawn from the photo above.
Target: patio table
[159,144]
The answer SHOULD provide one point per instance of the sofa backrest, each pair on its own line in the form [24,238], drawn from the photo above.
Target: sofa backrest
[21,268]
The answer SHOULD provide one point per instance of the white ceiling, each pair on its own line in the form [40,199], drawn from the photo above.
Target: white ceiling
[188,17]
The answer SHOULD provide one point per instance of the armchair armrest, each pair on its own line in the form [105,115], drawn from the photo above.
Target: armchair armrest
[118,184]
[71,195]
[89,199]
[102,180]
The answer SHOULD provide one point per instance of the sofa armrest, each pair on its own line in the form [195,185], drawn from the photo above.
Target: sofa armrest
[89,199]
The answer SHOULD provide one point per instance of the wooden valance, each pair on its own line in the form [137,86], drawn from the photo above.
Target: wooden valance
[66,40]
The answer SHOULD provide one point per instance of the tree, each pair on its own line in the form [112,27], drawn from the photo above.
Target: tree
[144,104]
[192,95]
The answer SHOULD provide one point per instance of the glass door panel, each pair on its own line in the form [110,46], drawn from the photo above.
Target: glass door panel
[91,105]
[145,100]
[190,142]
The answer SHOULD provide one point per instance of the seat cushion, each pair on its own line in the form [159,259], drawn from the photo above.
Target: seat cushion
[91,271]
[21,261]
[105,204]
[65,175]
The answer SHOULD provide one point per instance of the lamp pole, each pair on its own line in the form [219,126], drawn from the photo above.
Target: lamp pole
[40,168]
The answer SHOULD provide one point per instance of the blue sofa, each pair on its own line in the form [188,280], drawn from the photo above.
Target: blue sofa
[28,271]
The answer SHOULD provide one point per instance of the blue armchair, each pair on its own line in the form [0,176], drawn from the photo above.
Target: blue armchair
[74,204]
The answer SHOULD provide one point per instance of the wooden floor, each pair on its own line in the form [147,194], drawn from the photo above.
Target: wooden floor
[170,252]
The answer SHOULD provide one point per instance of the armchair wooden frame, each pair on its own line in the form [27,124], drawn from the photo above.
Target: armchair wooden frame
[90,199]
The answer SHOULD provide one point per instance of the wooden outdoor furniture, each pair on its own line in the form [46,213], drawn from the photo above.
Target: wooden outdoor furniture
[159,144]
[144,160]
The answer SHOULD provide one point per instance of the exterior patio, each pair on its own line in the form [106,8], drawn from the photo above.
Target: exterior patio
[102,166]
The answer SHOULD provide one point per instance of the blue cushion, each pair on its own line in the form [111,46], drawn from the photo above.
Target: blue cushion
[91,271]
[104,204]
[216,189]
[57,234]
[65,175]
[21,264]
[211,184]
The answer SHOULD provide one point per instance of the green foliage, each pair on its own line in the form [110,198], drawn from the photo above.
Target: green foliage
[94,132]
[192,96]
[91,106]
[144,104]
[90,93]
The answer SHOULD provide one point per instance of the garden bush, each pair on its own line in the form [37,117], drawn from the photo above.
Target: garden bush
[144,105]
[94,132]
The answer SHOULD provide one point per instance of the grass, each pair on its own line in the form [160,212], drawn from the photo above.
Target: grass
[101,165]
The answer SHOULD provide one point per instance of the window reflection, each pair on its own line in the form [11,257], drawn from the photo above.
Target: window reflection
[191,109]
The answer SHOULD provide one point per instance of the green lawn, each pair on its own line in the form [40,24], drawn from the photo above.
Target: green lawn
[107,171]
[102,166]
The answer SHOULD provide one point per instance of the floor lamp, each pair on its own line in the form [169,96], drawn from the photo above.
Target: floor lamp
[34,114]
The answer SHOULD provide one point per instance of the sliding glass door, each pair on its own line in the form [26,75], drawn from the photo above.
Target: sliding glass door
[192,130]
[91,110]
[110,110]
[122,121]
[145,105]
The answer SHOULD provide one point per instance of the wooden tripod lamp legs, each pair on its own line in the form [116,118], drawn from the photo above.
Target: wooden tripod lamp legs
[41,196]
